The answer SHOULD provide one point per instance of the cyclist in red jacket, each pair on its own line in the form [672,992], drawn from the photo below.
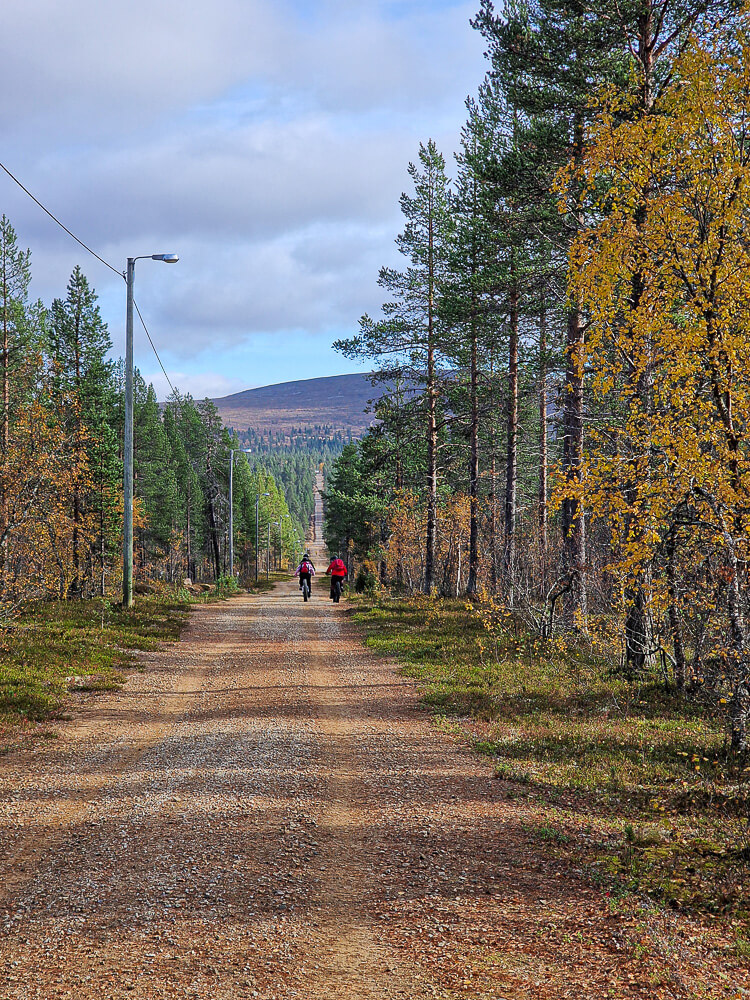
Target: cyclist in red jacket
[337,569]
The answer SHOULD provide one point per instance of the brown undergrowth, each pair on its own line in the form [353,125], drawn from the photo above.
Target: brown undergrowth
[629,782]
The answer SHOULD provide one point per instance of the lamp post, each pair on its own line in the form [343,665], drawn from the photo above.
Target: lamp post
[257,543]
[231,511]
[127,478]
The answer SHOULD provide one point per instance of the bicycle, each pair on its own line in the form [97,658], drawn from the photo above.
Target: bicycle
[336,589]
[305,590]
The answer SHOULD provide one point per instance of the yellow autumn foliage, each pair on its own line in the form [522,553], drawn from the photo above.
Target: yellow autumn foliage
[664,276]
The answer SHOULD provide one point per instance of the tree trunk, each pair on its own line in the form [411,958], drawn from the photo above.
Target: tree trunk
[399,485]
[543,446]
[493,482]
[638,639]
[75,590]
[429,567]
[471,586]
[675,626]
[573,527]
[511,462]
[188,548]
[214,537]
[6,427]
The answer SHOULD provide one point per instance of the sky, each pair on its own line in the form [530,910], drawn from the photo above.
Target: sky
[266,142]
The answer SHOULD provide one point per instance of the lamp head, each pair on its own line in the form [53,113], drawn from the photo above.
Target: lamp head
[168,258]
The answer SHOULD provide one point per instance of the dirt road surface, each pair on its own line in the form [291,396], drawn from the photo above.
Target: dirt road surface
[266,811]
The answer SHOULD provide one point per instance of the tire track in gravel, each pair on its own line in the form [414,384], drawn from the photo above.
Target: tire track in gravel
[348,957]
[151,884]
[100,748]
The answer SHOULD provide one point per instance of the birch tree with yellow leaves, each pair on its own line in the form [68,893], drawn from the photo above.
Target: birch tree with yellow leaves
[668,470]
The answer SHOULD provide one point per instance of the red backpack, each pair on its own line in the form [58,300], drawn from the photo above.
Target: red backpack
[305,567]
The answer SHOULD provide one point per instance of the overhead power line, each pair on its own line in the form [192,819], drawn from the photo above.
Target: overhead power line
[93,254]
[153,347]
[60,224]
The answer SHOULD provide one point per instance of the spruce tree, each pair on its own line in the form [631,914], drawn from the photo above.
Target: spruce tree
[79,342]
[155,477]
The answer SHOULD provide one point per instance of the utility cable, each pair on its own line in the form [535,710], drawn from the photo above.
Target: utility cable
[93,254]
[56,220]
[153,347]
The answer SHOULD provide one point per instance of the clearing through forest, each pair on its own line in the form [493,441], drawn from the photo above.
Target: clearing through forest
[266,811]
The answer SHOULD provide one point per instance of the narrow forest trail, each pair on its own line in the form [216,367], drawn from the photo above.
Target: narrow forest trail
[266,811]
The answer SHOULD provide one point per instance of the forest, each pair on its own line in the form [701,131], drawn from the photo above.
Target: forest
[564,432]
[292,460]
[61,494]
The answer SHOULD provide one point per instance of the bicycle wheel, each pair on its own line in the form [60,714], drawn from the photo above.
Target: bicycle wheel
[336,592]
[306,590]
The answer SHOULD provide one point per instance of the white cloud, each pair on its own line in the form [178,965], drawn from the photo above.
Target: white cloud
[265,142]
[206,384]
[101,67]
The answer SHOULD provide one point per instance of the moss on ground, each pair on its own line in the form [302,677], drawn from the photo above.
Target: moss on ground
[631,780]
[53,648]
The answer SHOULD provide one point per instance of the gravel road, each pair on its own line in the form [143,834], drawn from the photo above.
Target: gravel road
[266,811]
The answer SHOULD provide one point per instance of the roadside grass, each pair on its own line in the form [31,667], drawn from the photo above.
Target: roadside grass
[54,648]
[631,781]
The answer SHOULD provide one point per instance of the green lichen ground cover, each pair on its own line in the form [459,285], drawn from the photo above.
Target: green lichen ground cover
[53,648]
[627,778]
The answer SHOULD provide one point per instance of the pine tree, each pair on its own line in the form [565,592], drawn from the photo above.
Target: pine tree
[79,343]
[408,342]
[182,425]
[546,58]
[155,477]
[16,334]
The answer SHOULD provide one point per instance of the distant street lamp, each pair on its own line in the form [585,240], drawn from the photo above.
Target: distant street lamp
[268,551]
[257,542]
[127,478]
[231,511]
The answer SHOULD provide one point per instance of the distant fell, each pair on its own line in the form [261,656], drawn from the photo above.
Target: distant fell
[337,403]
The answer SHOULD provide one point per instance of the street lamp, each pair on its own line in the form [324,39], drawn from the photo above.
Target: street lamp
[257,543]
[127,479]
[280,525]
[268,550]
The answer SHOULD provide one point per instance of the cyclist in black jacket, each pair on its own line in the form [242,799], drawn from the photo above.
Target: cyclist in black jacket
[305,571]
